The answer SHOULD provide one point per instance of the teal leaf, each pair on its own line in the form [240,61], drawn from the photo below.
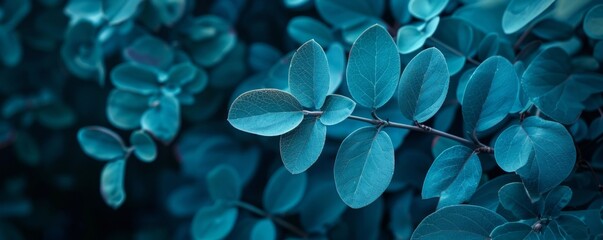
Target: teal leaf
[284,191]
[56,116]
[352,32]
[170,11]
[487,194]
[411,37]
[125,109]
[336,59]
[162,120]
[555,201]
[549,150]
[456,34]
[82,9]
[309,75]
[214,222]
[263,230]
[426,9]
[10,46]
[374,68]
[179,75]
[571,227]
[423,85]
[514,230]
[336,109]
[458,222]
[302,146]
[453,176]
[344,13]
[135,78]
[112,183]
[399,9]
[596,128]
[303,29]
[322,207]
[520,13]
[117,11]
[514,198]
[144,146]
[215,45]
[150,51]
[364,166]
[593,21]
[101,143]
[490,94]
[262,56]
[224,183]
[266,112]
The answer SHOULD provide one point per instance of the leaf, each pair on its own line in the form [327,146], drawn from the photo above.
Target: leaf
[453,176]
[592,22]
[596,128]
[545,146]
[322,207]
[262,56]
[490,94]
[144,146]
[170,11]
[514,230]
[456,34]
[125,109]
[426,9]
[309,75]
[284,191]
[399,9]
[101,143]
[263,230]
[336,109]
[135,78]
[303,29]
[117,11]
[302,146]
[214,222]
[343,13]
[423,85]
[555,201]
[266,112]
[223,183]
[186,200]
[571,227]
[112,183]
[10,47]
[374,68]
[178,76]
[458,222]
[519,13]
[56,116]
[163,119]
[336,59]
[215,45]
[149,51]
[411,37]
[364,166]
[513,197]
[487,194]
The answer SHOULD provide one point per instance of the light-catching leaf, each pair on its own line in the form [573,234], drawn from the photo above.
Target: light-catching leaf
[163,119]
[344,13]
[373,68]
[458,222]
[284,191]
[336,109]
[266,112]
[112,183]
[413,36]
[101,143]
[214,222]
[514,198]
[309,75]
[336,58]
[520,13]
[125,109]
[263,230]
[423,85]
[116,11]
[453,176]
[364,166]
[302,146]
[426,9]
[144,146]
[223,183]
[135,78]
[490,94]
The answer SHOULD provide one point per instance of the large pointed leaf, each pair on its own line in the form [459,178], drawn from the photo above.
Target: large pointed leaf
[302,146]
[458,222]
[309,75]
[364,166]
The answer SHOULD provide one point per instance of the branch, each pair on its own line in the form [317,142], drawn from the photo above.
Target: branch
[279,221]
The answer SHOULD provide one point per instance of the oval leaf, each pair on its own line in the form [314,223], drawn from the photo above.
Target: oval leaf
[263,230]
[513,197]
[112,183]
[223,183]
[344,13]
[426,9]
[519,13]
[214,222]
[458,222]
[144,146]
[592,22]
[125,109]
[556,200]
[284,191]
[101,143]
[135,78]
[302,146]
[303,29]
[514,230]
[336,109]
[309,75]
[163,120]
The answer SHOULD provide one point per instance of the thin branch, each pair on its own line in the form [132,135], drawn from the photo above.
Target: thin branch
[453,50]
[279,221]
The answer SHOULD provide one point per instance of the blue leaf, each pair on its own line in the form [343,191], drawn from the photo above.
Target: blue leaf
[117,11]
[135,78]
[458,222]
[400,216]
[185,200]
[303,29]
[592,22]
[487,194]
[453,176]
[555,201]
[579,130]
[364,166]
[170,11]
[223,183]
[178,76]
[231,69]
[399,9]
[343,13]
[284,191]
[84,9]
[266,112]
[426,9]
[112,183]
[411,167]
[520,13]
[490,94]
[163,119]
[336,59]
[336,109]
[352,32]
[596,128]
[150,51]
[10,47]
[374,68]
[309,75]
[125,109]
[413,36]
[547,148]
[262,56]
[214,222]
[514,198]
[514,230]
[144,147]
[456,34]
[321,207]
[302,146]
[101,143]
[215,45]
[570,227]
[263,230]
[423,85]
